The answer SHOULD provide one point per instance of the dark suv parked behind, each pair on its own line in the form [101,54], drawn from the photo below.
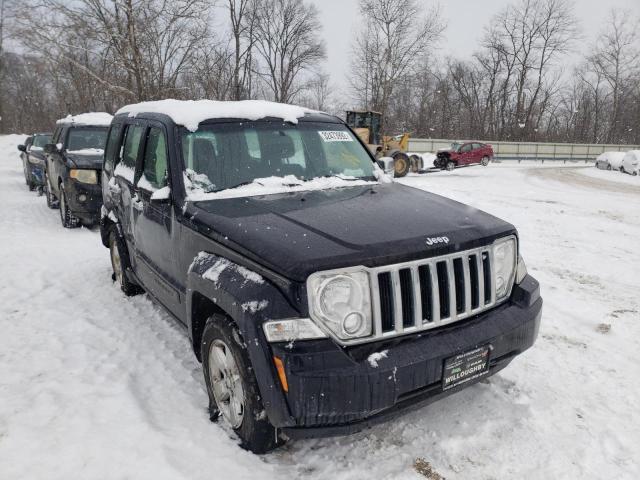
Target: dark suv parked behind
[32,155]
[317,302]
[74,162]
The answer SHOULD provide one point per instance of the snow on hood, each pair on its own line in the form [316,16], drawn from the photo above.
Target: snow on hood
[270,186]
[87,151]
[189,113]
[92,118]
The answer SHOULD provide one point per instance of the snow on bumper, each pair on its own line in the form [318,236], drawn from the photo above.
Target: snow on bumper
[332,392]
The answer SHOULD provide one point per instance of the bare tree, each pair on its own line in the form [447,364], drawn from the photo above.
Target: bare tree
[617,59]
[143,45]
[287,41]
[395,38]
[243,17]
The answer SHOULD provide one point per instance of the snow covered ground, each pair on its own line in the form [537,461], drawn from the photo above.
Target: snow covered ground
[95,385]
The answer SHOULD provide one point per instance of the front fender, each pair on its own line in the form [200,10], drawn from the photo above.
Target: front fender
[250,300]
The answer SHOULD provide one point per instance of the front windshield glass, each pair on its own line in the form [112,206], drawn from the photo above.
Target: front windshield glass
[82,138]
[455,146]
[227,155]
[41,140]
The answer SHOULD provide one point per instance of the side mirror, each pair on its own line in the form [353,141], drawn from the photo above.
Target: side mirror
[387,164]
[22,148]
[50,148]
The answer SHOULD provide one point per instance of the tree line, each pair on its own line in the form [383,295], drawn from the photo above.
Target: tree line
[87,55]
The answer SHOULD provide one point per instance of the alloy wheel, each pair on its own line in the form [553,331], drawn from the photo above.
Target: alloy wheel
[226,383]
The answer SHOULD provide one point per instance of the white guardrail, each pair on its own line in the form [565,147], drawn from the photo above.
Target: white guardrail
[529,151]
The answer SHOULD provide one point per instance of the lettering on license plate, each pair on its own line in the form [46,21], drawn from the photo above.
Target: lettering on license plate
[465,367]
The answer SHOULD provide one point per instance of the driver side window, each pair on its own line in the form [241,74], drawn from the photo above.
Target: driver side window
[466,148]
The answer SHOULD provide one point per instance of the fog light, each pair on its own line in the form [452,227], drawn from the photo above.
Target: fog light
[352,323]
[82,198]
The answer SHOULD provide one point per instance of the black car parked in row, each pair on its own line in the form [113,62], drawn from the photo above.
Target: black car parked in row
[317,298]
[73,165]
[33,161]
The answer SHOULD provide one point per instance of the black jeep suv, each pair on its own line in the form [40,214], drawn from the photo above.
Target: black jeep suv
[32,155]
[317,297]
[73,164]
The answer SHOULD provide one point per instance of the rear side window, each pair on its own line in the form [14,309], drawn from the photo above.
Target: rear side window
[113,144]
[155,160]
[132,145]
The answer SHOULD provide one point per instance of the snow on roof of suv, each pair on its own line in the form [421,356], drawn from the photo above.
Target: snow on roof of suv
[91,118]
[189,113]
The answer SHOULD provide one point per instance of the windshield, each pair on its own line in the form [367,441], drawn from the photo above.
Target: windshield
[455,146]
[81,138]
[41,140]
[227,155]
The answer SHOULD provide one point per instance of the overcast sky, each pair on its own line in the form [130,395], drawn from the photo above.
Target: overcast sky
[465,22]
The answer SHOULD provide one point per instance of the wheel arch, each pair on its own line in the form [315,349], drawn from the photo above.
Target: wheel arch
[217,285]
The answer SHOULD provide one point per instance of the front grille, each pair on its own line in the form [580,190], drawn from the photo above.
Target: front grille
[425,294]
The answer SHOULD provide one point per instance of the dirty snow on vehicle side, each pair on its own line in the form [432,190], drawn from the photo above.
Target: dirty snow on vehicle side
[189,113]
[91,118]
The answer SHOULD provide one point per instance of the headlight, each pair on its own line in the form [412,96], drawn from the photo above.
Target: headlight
[341,301]
[291,329]
[521,271]
[34,160]
[84,176]
[504,265]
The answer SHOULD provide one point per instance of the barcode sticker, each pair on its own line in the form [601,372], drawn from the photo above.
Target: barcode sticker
[335,136]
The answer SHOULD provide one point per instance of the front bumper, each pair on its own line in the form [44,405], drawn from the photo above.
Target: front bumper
[333,391]
[84,200]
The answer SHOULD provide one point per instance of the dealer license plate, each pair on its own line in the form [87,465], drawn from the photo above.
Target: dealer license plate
[465,367]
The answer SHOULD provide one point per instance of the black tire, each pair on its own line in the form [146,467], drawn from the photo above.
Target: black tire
[485,161]
[416,163]
[120,264]
[608,167]
[401,164]
[450,166]
[32,187]
[52,201]
[254,430]
[68,219]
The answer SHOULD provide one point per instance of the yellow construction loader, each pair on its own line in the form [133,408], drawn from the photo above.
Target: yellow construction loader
[366,125]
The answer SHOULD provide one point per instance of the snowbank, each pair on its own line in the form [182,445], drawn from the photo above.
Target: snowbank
[100,119]
[189,113]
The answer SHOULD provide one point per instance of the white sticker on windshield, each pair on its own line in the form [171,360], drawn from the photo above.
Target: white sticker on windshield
[335,136]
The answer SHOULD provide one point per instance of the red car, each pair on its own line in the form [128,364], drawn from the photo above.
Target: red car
[465,153]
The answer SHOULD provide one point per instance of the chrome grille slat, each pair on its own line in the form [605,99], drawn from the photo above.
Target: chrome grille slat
[417,298]
[481,294]
[377,311]
[419,321]
[397,301]
[467,285]
[453,308]
[435,293]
